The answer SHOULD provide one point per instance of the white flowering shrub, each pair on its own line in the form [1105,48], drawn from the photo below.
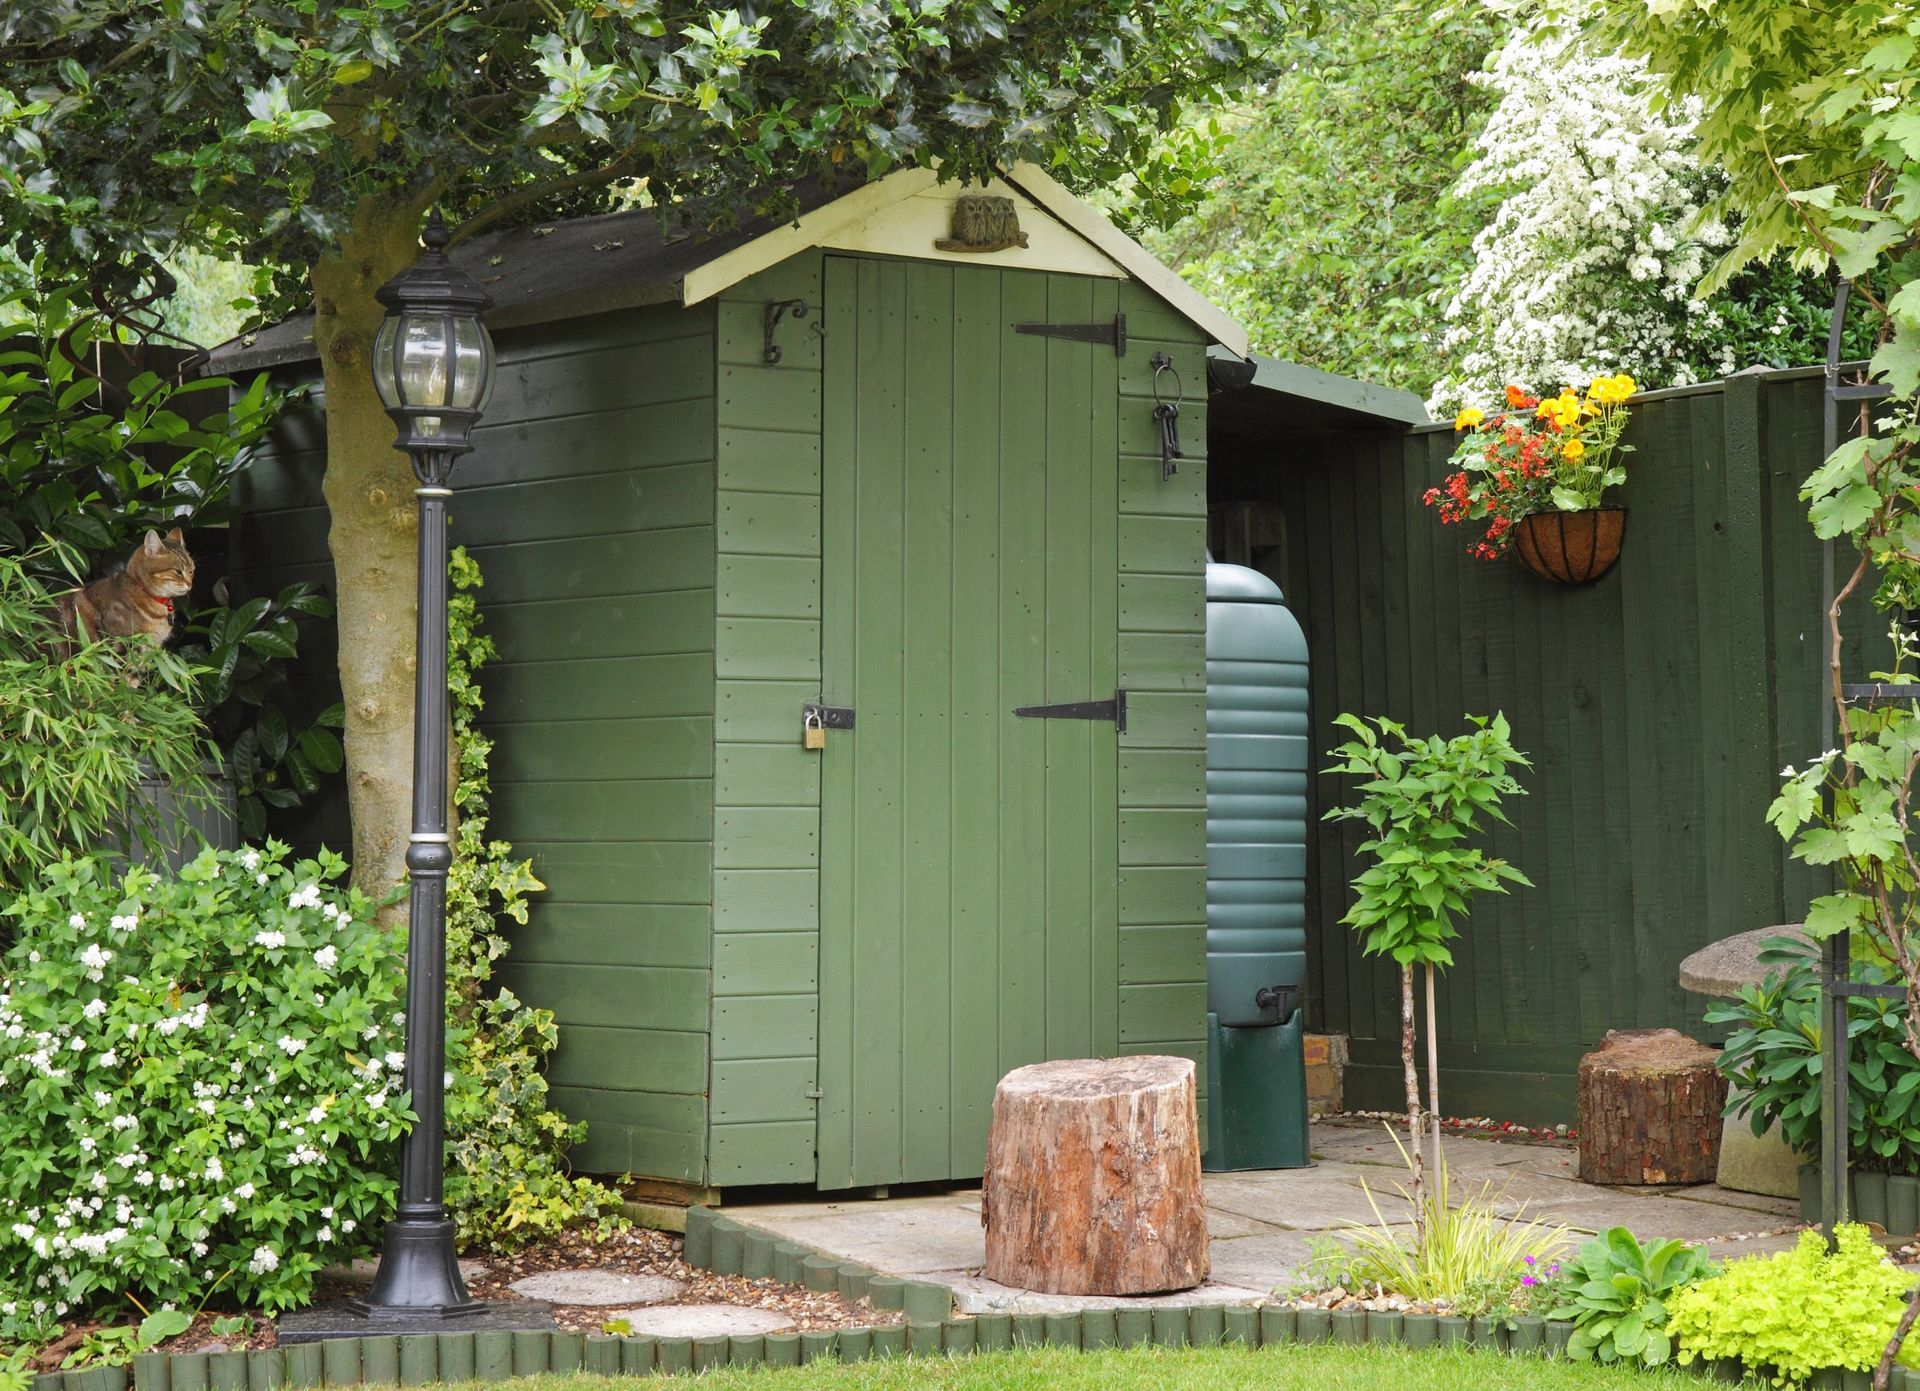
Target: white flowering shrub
[1592,261]
[199,1082]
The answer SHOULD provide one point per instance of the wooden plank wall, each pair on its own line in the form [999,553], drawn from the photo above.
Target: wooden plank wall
[1162,888]
[766,815]
[1658,706]
[589,505]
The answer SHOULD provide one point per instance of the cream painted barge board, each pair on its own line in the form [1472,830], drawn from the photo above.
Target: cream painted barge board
[911,227]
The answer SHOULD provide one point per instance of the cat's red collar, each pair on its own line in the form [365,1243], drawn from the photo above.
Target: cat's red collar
[164,601]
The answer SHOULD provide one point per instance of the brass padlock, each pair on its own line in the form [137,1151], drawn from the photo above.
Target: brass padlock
[813,734]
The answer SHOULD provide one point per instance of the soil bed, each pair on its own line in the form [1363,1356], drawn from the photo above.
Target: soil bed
[639,1251]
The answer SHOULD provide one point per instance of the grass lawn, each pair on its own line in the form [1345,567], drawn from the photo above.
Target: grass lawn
[1317,1368]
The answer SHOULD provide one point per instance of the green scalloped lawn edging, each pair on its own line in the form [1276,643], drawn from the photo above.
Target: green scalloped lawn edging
[729,1247]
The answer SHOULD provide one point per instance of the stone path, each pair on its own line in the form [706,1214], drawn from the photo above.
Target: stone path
[1261,1222]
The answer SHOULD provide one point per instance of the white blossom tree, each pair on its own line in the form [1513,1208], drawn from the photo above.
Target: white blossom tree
[1592,261]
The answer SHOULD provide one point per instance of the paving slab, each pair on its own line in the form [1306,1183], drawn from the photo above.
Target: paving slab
[909,1239]
[597,1288]
[1261,1222]
[1262,1263]
[973,1293]
[702,1321]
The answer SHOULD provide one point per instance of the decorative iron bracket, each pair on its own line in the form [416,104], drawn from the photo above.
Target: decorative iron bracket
[1115,710]
[777,309]
[1114,333]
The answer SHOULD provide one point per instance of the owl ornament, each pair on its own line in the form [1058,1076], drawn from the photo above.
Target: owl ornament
[983,222]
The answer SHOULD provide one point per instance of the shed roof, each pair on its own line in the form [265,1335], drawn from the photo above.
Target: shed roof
[1286,397]
[589,265]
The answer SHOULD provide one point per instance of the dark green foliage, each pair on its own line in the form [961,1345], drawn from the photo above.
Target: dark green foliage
[1772,1059]
[1330,232]
[94,464]
[243,652]
[261,127]
[1615,1291]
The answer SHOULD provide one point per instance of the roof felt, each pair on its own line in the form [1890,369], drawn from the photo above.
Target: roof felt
[1286,397]
[549,271]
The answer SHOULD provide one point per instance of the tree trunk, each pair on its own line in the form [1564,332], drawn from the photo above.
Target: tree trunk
[1649,1104]
[1415,1143]
[373,537]
[1433,1069]
[1093,1178]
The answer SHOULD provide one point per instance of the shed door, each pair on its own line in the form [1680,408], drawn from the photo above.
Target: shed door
[967,915]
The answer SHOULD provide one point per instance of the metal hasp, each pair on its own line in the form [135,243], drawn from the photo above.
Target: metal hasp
[1257,759]
[1114,333]
[829,716]
[778,309]
[1115,710]
[1836,977]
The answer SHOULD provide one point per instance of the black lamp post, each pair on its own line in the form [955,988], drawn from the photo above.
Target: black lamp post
[433,367]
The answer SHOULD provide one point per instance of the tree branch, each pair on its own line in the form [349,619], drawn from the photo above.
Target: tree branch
[502,208]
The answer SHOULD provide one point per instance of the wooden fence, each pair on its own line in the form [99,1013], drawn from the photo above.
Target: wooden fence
[1658,706]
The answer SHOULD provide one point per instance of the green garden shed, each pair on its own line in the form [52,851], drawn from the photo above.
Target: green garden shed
[855,461]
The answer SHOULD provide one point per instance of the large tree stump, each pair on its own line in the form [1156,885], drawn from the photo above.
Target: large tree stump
[1093,1178]
[1649,1109]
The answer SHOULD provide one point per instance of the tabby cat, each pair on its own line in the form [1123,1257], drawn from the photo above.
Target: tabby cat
[136,599]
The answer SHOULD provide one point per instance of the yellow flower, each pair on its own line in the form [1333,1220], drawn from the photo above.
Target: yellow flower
[1468,418]
[1572,449]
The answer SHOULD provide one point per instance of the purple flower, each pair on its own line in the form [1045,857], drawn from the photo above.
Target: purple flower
[1528,1281]
[1527,1259]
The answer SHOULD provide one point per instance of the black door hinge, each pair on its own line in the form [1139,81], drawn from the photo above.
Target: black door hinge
[1114,333]
[1115,710]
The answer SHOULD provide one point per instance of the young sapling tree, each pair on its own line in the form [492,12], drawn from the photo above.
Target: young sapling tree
[1423,799]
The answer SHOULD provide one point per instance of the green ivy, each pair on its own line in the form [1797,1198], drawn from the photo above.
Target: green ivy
[507,1179]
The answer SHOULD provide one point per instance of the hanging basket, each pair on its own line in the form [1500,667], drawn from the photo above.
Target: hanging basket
[1570,547]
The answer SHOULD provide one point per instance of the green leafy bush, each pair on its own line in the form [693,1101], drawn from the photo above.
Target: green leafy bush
[507,1176]
[1796,1311]
[79,731]
[201,1082]
[1772,1061]
[1615,1291]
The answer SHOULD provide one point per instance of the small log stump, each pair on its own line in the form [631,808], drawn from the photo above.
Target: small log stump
[1093,1178]
[1649,1109]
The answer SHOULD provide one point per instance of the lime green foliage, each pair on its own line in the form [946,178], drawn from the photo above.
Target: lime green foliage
[211,300]
[1423,798]
[77,733]
[1797,1310]
[1772,1060]
[1615,1291]
[1291,1367]
[1466,1254]
[203,1082]
[1329,232]
[506,1148]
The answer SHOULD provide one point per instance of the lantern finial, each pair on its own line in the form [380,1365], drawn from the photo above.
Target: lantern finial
[436,237]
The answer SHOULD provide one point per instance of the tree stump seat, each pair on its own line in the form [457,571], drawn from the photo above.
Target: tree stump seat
[1093,1178]
[1649,1104]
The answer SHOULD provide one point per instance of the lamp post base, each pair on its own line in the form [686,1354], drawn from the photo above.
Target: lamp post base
[341,1320]
[418,1275]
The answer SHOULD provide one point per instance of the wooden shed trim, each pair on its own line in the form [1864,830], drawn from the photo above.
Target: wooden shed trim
[1090,223]
[815,228]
